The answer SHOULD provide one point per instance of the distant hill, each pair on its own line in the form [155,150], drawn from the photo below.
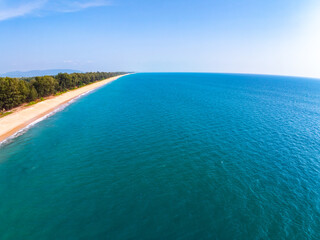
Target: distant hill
[34,73]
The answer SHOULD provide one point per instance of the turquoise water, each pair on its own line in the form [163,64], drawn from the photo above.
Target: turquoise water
[170,156]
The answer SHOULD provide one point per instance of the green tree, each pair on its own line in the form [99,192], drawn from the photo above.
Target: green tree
[45,86]
[10,96]
[33,95]
[24,89]
[14,92]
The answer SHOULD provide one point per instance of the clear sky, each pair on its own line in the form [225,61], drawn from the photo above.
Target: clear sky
[245,36]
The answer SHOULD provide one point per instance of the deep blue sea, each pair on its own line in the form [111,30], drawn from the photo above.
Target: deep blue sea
[170,156]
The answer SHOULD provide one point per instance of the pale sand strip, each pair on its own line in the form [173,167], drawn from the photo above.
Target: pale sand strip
[16,121]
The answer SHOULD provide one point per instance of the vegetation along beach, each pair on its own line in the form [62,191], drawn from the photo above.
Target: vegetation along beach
[31,92]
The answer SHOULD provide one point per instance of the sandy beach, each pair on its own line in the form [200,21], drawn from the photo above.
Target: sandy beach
[11,124]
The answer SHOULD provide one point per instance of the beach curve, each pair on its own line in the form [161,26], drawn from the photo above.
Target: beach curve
[15,122]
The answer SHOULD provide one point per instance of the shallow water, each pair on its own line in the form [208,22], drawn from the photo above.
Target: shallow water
[170,156]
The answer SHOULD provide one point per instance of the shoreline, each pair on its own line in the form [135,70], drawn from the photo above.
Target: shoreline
[16,121]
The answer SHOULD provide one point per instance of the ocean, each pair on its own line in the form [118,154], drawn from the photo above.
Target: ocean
[170,156]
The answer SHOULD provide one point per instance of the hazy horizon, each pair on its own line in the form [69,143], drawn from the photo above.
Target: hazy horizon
[276,38]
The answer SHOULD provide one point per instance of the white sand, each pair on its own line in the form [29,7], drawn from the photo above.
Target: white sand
[18,120]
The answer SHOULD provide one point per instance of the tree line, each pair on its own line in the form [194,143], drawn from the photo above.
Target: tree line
[16,91]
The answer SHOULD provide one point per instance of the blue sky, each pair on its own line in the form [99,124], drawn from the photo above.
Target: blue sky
[245,36]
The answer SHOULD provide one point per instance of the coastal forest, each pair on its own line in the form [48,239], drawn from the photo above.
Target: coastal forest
[17,91]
